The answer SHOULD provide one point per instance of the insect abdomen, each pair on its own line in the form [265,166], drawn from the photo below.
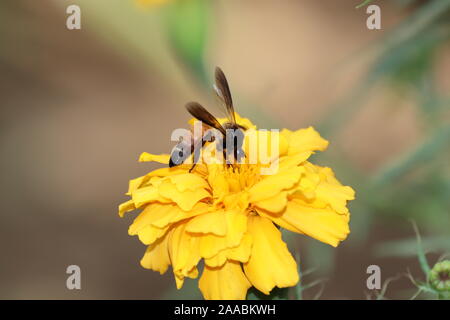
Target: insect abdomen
[179,154]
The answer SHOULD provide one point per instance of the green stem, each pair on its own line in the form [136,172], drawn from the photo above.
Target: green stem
[421,253]
[298,287]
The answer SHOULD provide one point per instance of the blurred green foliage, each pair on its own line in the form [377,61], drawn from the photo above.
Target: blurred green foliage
[188,26]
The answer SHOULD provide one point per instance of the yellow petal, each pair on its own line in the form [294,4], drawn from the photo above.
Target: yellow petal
[236,227]
[165,172]
[242,252]
[149,234]
[198,209]
[135,184]
[224,283]
[186,199]
[125,207]
[161,215]
[179,277]
[236,201]
[210,245]
[236,222]
[146,195]
[323,224]
[310,179]
[319,188]
[271,185]
[306,140]
[217,181]
[245,122]
[275,204]
[161,158]
[183,251]
[179,280]
[218,260]
[332,192]
[259,146]
[294,160]
[152,213]
[188,181]
[212,222]
[156,256]
[270,262]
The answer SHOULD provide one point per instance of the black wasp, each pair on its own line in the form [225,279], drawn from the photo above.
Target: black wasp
[231,133]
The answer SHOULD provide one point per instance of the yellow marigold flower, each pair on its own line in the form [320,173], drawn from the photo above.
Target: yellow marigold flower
[228,215]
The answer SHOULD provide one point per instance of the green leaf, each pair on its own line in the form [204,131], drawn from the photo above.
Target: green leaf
[408,247]
[188,25]
[364,3]
[412,60]
[425,152]
[421,253]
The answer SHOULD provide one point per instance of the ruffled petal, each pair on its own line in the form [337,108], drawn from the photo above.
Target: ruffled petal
[183,251]
[272,185]
[165,172]
[240,253]
[149,234]
[126,207]
[319,188]
[184,199]
[323,224]
[218,260]
[304,140]
[161,158]
[151,213]
[179,278]
[270,262]
[217,181]
[188,181]
[161,215]
[236,222]
[275,204]
[146,195]
[134,184]
[333,192]
[227,282]
[156,256]
[212,222]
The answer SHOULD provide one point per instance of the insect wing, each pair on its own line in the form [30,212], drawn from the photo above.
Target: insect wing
[200,113]
[222,90]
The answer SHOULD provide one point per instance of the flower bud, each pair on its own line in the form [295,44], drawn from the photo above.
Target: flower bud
[440,276]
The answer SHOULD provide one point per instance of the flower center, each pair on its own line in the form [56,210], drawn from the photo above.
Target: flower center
[444,276]
[242,176]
